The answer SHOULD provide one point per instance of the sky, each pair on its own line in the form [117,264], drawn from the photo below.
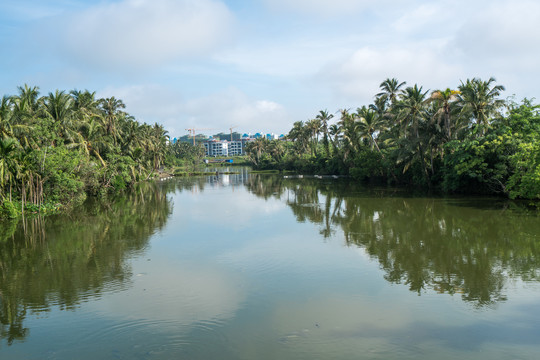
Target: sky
[261,65]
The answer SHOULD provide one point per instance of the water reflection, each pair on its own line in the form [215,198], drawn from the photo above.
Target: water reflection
[65,260]
[447,246]
[472,248]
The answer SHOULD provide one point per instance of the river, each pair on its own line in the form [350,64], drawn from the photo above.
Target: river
[247,266]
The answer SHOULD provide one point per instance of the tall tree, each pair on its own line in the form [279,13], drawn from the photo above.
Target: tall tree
[112,111]
[481,99]
[59,108]
[9,168]
[446,105]
[314,128]
[412,108]
[324,117]
[390,90]
[369,124]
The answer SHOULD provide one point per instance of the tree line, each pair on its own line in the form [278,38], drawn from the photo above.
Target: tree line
[57,149]
[465,140]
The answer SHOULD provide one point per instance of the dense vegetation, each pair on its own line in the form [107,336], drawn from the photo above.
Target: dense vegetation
[57,149]
[466,140]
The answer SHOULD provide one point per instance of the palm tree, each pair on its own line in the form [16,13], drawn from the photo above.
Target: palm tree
[299,135]
[5,117]
[254,149]
[324,117]
[390,90]
[314,128]
[412,108]
[9,167]
[369,124]
[445,101]
[27,103]
[91,140]
[412,114]
[85,105]
[334,132]
[348,129]
[276,150]
[59,108]
[111,108]
[480,98]
[159,138]
[26,109]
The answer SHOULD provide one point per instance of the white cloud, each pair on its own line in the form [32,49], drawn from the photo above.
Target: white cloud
[199,293]
[427,19]
[218,111]
[509,29]
[322,7]
[233,107]
[136,33]
[357,77]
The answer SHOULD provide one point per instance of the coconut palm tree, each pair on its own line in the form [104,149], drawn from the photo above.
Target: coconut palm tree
[411,108]
[446,104]
[5,117]
[9,167]
[26,110]
[111,109]
[300,136]
[349,131]
[314,128]
[390,90]
[481,99]
[91,141]
[324,117]
[369,124]
[159,140]
[59,108]
[334,132]
[27,103]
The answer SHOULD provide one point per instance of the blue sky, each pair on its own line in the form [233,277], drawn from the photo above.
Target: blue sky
[261,65]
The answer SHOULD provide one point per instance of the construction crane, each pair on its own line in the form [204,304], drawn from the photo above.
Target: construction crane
[232,127]
[192,132]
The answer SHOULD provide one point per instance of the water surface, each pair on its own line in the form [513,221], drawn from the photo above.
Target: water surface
[261,267]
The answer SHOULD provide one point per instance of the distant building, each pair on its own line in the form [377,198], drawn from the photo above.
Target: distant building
[216,148]
[236,148]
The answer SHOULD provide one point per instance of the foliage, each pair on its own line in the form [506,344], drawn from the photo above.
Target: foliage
[465,140]
[60,147]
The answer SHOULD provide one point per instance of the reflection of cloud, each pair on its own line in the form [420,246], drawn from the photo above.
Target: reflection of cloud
[180,293]
[342,314]
[234,212]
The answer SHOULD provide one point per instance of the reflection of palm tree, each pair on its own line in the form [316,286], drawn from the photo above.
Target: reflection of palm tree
[423,243]
[85,265]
